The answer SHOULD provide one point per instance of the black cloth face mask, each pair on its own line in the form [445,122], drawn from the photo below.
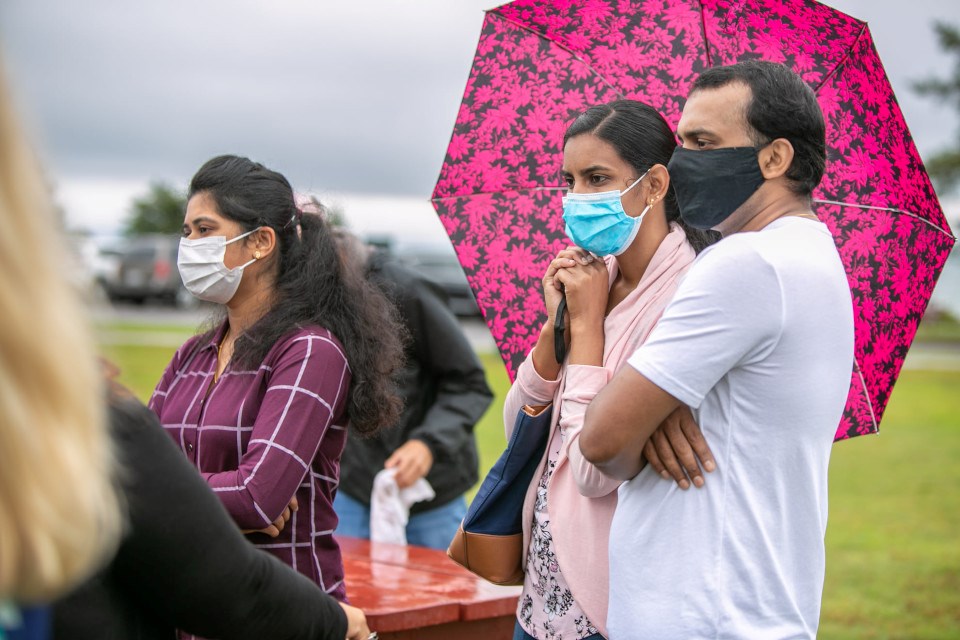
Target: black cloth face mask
[711,185]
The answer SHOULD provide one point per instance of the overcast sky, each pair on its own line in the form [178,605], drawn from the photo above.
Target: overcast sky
[351,100]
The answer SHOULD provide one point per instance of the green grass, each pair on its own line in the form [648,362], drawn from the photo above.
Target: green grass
[893,540]
[939,327]
[489,431]
[140,366]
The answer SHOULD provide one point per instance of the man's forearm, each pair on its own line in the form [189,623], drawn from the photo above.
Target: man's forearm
[620,419]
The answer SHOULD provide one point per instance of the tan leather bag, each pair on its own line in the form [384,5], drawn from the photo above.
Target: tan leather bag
[498,559]
[489,541]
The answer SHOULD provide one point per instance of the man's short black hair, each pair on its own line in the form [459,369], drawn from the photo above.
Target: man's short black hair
[781,106]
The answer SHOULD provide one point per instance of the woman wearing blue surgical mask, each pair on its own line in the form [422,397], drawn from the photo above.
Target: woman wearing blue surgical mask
[301,348]
[630,251]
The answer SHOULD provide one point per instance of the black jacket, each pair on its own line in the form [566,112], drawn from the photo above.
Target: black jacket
[183,563]
[444,389]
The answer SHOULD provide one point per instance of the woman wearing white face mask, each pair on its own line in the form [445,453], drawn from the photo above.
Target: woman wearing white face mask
[631,252]
[260,403]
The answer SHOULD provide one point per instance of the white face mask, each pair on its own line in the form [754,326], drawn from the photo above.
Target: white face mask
[202,269]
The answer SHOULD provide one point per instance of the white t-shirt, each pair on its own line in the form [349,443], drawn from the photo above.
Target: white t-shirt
[759,341]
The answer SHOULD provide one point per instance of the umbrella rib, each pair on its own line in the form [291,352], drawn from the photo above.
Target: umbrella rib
[559,44]
[890,209]
[866,394]
[498,191]
[846,57]
[703,31]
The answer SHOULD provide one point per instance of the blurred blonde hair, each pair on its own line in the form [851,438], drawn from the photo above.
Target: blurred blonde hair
[59,511]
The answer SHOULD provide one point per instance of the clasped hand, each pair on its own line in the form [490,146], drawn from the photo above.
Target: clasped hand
[584,279]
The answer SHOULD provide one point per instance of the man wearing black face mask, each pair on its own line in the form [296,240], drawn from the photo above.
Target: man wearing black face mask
[759,341]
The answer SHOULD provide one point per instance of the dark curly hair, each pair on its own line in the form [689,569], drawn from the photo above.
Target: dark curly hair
[642,138]
[311,286]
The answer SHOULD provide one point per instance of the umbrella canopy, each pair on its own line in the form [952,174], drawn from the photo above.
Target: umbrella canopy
[539,62]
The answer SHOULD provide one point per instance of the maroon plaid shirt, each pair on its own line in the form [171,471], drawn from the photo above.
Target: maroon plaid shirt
[258,437]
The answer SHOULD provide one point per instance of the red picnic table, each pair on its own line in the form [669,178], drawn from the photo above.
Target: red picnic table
[413,593]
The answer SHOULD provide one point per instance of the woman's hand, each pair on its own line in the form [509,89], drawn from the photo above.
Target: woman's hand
[675,447]
[587,286]
[357,628]
[552,287]
[274,529]
[544,360]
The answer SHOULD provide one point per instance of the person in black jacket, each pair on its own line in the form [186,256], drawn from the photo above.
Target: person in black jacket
[183,563]
[445,393]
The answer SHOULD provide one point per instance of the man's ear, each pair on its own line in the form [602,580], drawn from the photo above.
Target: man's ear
[776,158]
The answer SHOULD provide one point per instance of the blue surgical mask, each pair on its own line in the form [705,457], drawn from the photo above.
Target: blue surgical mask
[597,222]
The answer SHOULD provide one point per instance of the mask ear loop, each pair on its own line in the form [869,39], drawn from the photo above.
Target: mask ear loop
[241,236]
[244,235]
[649,204]
[635,182]
[636,229]
[246,264]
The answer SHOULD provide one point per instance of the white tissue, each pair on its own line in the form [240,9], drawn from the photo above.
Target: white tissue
[390,506]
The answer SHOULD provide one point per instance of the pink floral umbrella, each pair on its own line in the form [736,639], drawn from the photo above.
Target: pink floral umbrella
[539,62]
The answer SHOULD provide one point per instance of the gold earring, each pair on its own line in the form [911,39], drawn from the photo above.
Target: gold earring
[256,255]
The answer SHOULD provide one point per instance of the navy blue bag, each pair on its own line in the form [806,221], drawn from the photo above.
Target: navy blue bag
[489,542]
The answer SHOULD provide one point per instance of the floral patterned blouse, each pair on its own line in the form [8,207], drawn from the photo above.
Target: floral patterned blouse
[547,610]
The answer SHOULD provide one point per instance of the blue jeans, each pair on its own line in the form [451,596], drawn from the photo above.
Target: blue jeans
[520,634]
[434,528]
[34,624]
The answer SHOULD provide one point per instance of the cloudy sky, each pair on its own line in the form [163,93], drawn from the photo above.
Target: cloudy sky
[353,101]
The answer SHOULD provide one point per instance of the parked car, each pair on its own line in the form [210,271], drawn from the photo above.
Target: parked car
[91,264]
[439,263]
[147,268]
